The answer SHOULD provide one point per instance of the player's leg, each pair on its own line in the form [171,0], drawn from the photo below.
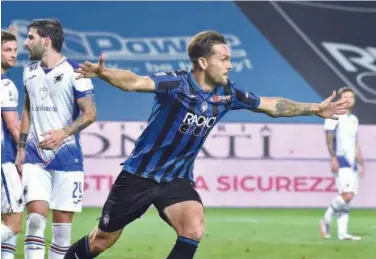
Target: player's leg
[180,206]
[128,200]
[349,186]
[12,203]
[12,206]
[37,188]
[335,207]
[66,199]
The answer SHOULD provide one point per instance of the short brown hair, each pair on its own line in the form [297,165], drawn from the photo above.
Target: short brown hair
[7,36]
[201,45]
[345,90]
[51,28]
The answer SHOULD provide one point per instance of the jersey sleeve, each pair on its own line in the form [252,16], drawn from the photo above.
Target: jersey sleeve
[166,83]
[242,99]
[82,87]
[9,96]
[330,125]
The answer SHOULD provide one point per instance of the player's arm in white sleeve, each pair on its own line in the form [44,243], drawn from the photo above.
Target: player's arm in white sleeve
[330,133]
[282,107]
[9,103]
[359,159]
[122,79]
[83,91]
[84,95]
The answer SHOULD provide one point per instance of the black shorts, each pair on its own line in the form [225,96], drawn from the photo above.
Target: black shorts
[132,195]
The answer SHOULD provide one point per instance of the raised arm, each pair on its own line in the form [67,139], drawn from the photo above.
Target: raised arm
[122,79]
[281,107]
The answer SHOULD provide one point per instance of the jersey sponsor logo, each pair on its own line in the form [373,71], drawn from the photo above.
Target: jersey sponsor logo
[44,108]
[197,125]
[221,98]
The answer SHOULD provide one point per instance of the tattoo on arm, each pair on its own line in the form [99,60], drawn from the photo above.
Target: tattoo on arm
[330,143]
[288,108]
[87,116]
[23,140]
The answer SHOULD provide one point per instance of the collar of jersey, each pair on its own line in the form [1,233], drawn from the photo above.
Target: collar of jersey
[48,70]
[3,76]
[197,87]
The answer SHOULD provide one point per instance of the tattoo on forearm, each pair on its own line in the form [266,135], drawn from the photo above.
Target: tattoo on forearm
[87,116]
[23,140]
[288,108]
[330,144]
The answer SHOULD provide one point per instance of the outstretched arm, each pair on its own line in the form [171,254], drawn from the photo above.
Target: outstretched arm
[122,79]
[281,107]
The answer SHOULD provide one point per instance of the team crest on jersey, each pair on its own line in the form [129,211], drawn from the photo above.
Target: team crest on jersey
[58,78]
[43,92]
[204,106]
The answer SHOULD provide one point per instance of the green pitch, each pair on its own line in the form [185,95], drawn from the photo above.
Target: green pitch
[238,234]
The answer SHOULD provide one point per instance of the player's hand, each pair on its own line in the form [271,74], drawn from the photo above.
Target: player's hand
[361,171]
[52,139]
[20,160]
[328,108]
[89,70]
[334,165]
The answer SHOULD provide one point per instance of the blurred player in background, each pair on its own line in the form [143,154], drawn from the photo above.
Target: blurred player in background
[160,169]
[57,108]
[347,164]
[12,203]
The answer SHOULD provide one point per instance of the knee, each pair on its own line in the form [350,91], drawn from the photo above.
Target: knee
[99,242]
[194,232]
[36,221]
[16,228]
[347,196]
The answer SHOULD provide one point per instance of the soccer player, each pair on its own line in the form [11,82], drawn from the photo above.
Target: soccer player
[159,171]
[347,164]
[57,108]
[12,203]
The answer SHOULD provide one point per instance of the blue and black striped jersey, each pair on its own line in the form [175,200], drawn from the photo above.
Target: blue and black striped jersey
[181,119]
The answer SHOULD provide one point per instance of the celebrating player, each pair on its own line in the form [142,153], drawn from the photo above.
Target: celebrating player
[160,169]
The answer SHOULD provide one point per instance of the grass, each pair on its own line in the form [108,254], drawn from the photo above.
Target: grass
[238,234]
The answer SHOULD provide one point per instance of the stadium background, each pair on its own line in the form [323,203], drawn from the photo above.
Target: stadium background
[300,51]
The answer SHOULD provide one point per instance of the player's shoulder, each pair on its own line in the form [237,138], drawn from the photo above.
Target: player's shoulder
[72,63]
[354,118]
[7,82]
[171,75]
[32,66]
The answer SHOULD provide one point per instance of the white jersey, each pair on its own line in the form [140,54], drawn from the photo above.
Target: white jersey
[346,131]
[53,94]
[9,102]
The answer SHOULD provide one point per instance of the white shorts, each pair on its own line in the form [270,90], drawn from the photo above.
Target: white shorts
[12,200]
[61,189]
[347,180]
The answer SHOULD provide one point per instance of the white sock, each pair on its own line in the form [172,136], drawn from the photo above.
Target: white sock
[8,248]
[343,221]
[6,233]
[61,238]
[34,236]
[335,207]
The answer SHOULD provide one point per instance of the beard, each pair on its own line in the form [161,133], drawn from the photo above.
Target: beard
[6,65]
[36,53]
